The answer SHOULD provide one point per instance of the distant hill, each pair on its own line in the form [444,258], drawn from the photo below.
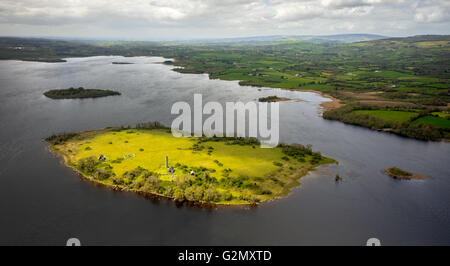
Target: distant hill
[339,38]
[349,38]
[422,38]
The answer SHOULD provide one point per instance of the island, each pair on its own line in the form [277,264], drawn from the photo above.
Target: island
[122,63]
[273,99]
[148,160]
[398,173]
[79,93]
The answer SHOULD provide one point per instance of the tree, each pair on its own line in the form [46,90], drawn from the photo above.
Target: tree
[179,194]
[227,196]
[153,182]
[87,165]
[102,174]
[212,195]
[194,193]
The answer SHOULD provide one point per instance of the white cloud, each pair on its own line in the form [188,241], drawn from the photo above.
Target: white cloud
[221,18]
[430,11]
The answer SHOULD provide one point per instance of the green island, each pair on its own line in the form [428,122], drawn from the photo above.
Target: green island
[79,93]
[398,85]
[122,63]
[398,173]
[148,160]
[273,99]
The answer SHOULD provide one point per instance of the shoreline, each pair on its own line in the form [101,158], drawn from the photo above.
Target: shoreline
[327,106]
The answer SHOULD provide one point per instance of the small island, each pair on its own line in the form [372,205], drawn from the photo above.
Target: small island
[273,99]
[122,63]
[148,160]
[79,93]
[398,173]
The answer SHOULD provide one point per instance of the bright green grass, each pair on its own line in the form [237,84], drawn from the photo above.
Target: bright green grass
[395,116]
[243,160]
[433,120]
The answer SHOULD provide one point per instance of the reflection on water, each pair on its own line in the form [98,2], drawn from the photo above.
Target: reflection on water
[43,202]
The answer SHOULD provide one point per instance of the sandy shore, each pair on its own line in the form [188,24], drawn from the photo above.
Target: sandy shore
[335,103]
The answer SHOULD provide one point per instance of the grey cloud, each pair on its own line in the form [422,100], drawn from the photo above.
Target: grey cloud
[223,18]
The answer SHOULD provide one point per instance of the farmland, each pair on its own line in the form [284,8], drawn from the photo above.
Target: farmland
[388,74]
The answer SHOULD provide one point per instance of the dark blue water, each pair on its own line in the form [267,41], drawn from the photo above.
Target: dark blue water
[44,203]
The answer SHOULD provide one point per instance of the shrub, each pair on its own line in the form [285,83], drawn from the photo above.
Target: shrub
[118,180]
[212,195]
[194,193]
[153,182]
[269,98]
[317,157]
[61,138]
[118,160]
[227,196]
[134,173]
[102,174]
[169,192]
[151,125]
[138,183]
[179,194]
[266,192]
[87,165]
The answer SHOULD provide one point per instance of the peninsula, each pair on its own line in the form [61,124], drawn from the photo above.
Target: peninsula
[147,159]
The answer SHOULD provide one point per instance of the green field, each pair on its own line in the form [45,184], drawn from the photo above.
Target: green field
[394,116]
[425,124]
[437,122]
[226,171]
[441,114]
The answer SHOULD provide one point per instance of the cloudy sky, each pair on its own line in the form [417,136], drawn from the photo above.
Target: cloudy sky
[190,19]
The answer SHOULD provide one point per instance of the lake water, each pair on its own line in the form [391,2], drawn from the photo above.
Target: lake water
[44,203]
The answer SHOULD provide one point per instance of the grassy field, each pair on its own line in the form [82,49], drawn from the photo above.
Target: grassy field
[227,171]
[395,116]
[437,122]
[441,114]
